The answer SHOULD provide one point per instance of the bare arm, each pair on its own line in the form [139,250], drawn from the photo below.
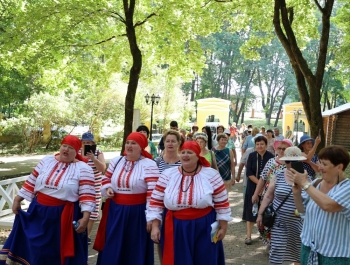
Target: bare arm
[253,178]
[312,152]
[321,199]
[16,206]
[240,169]
[222,229]
[298,200]
[234,156]
[99,161]
[83,222]
[233,170]
[258,188]
[214,161]
[155,232]
[268,198]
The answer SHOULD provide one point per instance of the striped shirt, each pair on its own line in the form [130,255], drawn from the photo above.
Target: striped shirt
[130,177]
[162,165]
[328,233]
[285,233]
[65,181]
[98,182]
[176,191]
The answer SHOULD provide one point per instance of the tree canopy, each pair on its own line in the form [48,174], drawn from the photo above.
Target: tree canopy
[76,48]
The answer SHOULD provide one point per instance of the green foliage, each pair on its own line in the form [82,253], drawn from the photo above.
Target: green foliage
[77,53]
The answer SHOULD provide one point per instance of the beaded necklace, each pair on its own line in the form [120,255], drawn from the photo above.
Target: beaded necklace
[192,177]
[127,167]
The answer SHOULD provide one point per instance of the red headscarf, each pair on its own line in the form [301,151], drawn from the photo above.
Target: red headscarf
[194,146]
[141,140]
[74,142]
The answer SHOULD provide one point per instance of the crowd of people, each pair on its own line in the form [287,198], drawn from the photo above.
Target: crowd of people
[175,198]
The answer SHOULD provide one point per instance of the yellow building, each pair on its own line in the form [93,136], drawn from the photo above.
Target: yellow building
[213,108]
[294,116]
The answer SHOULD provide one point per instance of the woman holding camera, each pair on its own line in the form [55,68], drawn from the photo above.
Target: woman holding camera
[285,241]
[326,206]
[98,164]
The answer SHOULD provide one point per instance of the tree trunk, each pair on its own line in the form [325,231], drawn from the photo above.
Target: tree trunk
[280,108]
[283,17]
[135,69]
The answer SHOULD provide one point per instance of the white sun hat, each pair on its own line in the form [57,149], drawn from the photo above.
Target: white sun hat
[293,154]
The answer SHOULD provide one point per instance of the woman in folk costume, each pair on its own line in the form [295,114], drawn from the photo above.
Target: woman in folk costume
[61,190]
[123,235]
[195,197]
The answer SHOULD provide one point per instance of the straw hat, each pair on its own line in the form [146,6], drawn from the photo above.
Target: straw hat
[293,154]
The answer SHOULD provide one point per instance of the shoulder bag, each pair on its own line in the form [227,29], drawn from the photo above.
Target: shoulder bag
[269,214]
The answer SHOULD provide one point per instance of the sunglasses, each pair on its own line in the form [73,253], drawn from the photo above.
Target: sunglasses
[281,148]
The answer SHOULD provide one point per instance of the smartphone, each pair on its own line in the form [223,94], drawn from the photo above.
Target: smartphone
[89,148]
[298,166]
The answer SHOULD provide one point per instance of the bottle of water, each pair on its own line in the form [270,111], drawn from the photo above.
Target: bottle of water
[255,209]
[75,224]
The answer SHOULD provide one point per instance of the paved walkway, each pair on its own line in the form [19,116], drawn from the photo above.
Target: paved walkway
[23,165]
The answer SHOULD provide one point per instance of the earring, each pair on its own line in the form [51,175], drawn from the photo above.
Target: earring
[338,177]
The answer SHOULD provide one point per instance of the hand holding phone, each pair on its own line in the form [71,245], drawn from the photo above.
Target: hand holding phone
[298,166]
[89,148]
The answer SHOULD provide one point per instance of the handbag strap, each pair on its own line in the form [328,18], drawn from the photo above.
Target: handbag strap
[284,200]
[257,165]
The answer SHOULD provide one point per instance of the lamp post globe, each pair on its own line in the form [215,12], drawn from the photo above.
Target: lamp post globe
[153,100]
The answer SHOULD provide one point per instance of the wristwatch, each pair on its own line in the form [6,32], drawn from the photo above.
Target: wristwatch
[306,186]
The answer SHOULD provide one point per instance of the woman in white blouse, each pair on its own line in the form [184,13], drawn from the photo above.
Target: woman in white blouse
[195,198]
[123,234]
[61,190]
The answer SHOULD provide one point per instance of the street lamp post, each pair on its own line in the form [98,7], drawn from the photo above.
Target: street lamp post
[297,114]
[152,100]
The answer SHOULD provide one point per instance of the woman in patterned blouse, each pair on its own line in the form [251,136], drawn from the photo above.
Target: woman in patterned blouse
[122,236]
[195,197]
[61,190]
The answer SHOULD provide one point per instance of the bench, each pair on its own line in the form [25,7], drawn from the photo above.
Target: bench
[8,191]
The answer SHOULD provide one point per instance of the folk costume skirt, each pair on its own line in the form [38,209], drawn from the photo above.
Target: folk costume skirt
[192,242]
[126,237]
[36,238]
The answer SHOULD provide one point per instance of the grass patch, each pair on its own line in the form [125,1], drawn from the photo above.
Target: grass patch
[258,122]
